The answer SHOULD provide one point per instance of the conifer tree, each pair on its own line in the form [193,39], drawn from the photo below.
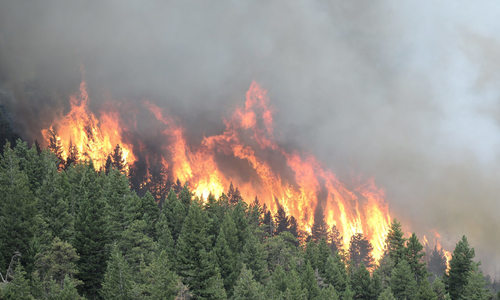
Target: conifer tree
[437,262]
[118,161]
[247,287]
[319,229]
[403,284]
[18,215]
[255,258]
[335,273]
[161,281]
[118,283]
[53,204]
[175,212]
[56,147]
[414,257]
[281,220]
[227,256]
[386,295]
[461,265]
[335,240]
[18,288]
[360,251]
[164,238]
[91,234]
[475,289]
[360,282]
[395,242]
[309,283]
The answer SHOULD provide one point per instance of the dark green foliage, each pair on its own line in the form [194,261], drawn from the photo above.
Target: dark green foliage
[247,287]
[360,283]
[160,281]
[18,213]
[118,283]
[17,289]
[360,251]
[403,284]
[414,257]
[395,242]
[437,262]
[460,268]
[319,229]
[91,234]
[65,221]
[475,289]
[175,212]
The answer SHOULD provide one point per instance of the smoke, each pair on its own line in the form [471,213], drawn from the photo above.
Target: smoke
[406,93]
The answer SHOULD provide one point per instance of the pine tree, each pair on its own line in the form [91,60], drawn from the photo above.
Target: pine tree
[228,259]
[57,262]
[53,203]
[360,251]
[73,156]
[233,194]
[18,288]
[247,287]
[319,229]
[118,160]
[335,273]
[161,281]
[437,262]
[475,289]
[175,212]
[281,220]
[309,283]
[425,291]
[18,215]
[91,233]
[56,147]
[136,245]
[395,242]
[403,284]
[328,293]
[360,282]
[118,283]
[255,258]
[294,228]
[165,240]
[414,257]
[208,284]
[460,268]
[386,295]
[335,240]
[439,288]
[185,197]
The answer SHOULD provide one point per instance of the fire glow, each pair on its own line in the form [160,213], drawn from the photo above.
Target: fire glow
[277,176]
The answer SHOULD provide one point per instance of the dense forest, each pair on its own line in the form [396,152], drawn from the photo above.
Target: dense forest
[69,231]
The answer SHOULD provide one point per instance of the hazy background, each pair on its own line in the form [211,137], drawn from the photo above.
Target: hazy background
[407,92]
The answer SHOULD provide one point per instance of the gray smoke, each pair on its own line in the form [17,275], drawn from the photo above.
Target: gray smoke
[404,92]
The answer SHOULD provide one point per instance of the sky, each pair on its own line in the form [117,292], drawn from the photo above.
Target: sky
[404,92]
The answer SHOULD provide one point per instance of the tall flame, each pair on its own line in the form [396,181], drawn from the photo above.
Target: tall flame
[94,138]
[245,154]
[277,176]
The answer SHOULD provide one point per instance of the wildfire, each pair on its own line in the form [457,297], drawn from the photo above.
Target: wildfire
[94,139]
[245,154]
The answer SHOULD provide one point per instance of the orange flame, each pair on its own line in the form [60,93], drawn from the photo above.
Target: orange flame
[94,138]
[299,184]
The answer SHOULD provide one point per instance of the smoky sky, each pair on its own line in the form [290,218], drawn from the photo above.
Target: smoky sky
[405,92]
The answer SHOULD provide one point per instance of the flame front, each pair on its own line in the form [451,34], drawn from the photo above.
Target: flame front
[246,154]
[94,138]
[276,176]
